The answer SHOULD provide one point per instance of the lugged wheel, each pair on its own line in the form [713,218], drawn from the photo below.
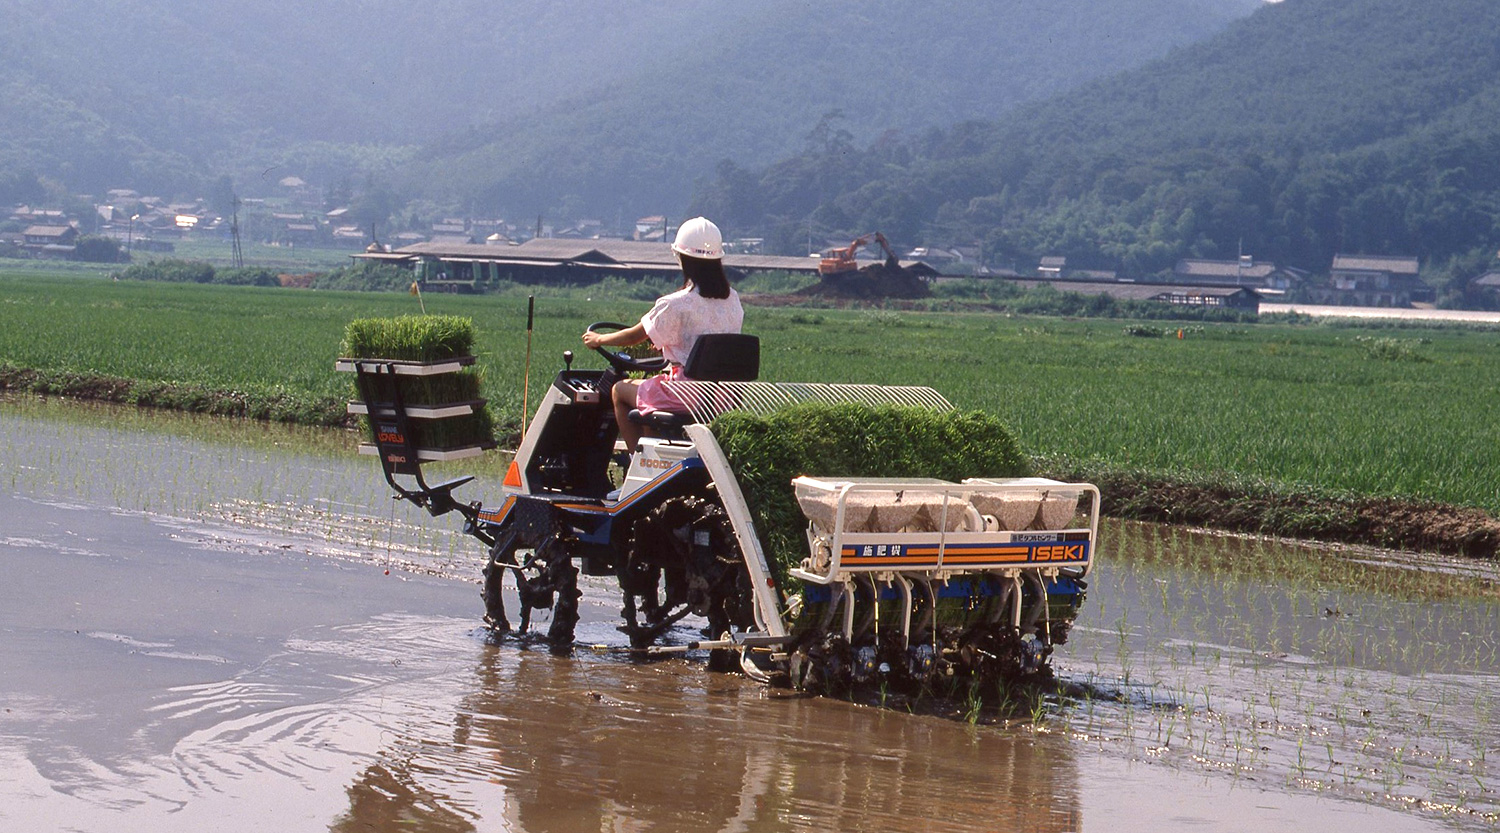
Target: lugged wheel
[683,558]
[548,579]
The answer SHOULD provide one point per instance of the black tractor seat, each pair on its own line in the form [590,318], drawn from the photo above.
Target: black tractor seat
[668,422]
[716,357]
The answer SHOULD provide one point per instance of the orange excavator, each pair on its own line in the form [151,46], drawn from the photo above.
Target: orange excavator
[843,259]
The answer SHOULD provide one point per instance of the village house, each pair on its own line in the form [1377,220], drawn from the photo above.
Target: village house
[49,235]
[651,229]
[298,234]
[26,215]
[487,226]
[49,241]
[349,237]
[1488,284]
[1244,271]
[1374,281]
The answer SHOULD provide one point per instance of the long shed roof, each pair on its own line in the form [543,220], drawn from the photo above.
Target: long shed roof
[632,254]
[1136,291]
[1395,264]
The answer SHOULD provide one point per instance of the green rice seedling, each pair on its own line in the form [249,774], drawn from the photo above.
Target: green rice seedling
[973,703]
[853,440]
[427,338]
[416,338]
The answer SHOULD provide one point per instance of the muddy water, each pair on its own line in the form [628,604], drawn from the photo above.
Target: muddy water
[200,633]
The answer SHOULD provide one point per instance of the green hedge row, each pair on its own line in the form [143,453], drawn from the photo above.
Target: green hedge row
[175,270]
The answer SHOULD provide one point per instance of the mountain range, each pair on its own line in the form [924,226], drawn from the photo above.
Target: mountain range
[525,105]
[1307,128]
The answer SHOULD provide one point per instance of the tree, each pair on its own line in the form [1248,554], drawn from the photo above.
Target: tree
[20,187]
[372,207]
[92,248]
[221,197]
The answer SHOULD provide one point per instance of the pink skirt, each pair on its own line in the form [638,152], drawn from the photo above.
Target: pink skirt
[654,396]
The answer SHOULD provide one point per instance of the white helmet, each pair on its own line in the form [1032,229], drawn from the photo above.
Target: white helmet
[699,237]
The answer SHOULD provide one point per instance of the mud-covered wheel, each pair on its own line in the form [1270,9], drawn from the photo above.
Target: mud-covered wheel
[564,576]
[548,580]
[682,558]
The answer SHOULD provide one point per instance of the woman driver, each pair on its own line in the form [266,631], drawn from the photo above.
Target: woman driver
[704,304]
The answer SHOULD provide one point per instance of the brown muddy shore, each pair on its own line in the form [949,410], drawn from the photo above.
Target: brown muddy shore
[1230,503]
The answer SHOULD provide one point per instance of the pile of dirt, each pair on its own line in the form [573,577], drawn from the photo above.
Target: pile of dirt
[878,281]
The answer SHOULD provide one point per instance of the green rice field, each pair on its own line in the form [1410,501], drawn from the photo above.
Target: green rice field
[1404,412]
[285,258]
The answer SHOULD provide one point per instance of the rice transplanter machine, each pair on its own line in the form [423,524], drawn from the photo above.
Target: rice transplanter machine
[903,581]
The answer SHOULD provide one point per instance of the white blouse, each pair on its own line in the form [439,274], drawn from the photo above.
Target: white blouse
[676,321]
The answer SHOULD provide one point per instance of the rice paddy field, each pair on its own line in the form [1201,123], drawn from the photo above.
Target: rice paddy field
[1404,411]
[286,258]
[1211,682]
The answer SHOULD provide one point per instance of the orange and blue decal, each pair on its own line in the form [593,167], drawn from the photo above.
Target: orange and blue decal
[498,516]
[957,555]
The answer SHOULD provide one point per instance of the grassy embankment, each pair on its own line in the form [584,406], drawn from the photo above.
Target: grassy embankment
[1313,431]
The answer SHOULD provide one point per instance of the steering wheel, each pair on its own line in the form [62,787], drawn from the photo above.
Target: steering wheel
[624,362]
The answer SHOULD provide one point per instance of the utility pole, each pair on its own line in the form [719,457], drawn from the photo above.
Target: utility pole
[234,232]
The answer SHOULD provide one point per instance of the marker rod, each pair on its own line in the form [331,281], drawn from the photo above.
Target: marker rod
[526,380]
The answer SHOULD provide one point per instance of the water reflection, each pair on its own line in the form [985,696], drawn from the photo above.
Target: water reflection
[597,745]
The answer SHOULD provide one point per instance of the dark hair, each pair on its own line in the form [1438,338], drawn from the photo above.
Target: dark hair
[707,275]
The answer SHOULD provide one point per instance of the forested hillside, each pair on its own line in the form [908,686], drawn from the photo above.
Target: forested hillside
[760,86]
[1311,127]
[157,95]
[526,104]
